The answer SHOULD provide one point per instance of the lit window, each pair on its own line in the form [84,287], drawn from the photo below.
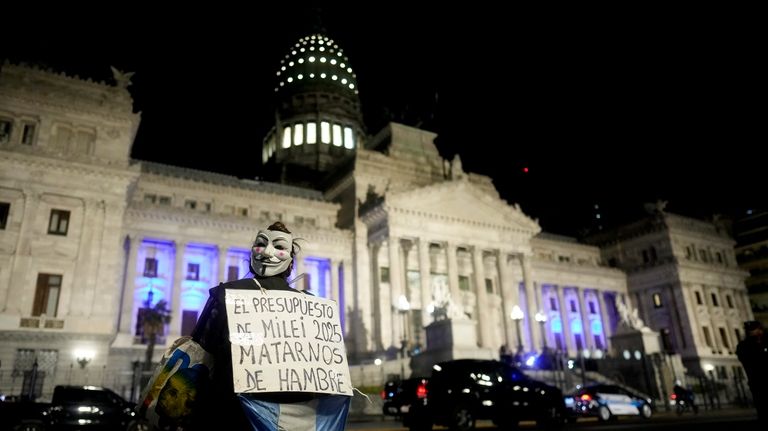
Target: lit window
[287,137]
[298,134]
[311,133]
[59,222]
[300,76]
[325,132]
[657,300]
[193,271]
[349,138]
[322,75]
[301,60]
[334,77]
[337,135]
[322,48]
[47,295]
[311,59]
[322,60]
[333,61]
[150,267]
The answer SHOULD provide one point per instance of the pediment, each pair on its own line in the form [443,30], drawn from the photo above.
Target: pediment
[462,201]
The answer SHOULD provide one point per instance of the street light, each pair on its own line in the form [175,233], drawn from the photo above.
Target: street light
[542,319]
[517,316]
[403,307]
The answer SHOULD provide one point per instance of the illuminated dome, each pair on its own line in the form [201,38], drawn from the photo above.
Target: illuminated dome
[315,61]
[318,121]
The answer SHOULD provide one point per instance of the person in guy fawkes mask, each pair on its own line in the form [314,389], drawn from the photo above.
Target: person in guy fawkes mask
[753,354]
[271,263]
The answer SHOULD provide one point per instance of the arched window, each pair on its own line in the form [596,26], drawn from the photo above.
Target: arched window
[287,137]
[298,134]
[311,133]
[349,138]
[337,142]
[325,132]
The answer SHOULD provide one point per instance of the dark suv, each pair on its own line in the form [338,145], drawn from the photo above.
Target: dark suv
[465,390]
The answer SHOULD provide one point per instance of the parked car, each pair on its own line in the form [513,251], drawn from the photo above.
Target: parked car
[462,391]
[398,395]
[80,407]
[607,402]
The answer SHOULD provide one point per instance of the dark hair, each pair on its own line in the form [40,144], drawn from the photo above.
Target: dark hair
[279,226]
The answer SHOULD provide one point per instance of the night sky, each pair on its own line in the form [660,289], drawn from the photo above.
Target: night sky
[615,108]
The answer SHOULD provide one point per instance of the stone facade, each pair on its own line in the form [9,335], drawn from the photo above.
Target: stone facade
[683,277]
[92,238]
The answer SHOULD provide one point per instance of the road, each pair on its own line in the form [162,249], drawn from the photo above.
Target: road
[717,420]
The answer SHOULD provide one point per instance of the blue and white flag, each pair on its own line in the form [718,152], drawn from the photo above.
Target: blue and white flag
[324,413]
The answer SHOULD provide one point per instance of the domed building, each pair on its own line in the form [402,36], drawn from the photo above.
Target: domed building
[400,237]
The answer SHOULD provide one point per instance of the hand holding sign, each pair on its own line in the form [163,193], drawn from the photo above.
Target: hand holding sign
[286,342]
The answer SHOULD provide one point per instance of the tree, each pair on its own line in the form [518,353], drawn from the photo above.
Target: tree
[155,319]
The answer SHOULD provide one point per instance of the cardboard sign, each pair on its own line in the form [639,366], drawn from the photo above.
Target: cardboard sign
[285,341]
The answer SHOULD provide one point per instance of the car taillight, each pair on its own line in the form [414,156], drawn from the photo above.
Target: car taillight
[586,397]
[421,390]
[673,397]
[383,395]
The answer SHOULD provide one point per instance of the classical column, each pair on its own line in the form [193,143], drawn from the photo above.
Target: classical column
[530,296]
[425,278]
[222,250]
[334,293]
[482,297]
[380,300]
[603,315]
[129,286]
[510,292]
[348,300]
[13,298]
[565,317]
[589,339]
[453,274]
[178,277]
[395,286]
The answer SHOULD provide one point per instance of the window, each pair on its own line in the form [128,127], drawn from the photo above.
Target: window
[337,140]
[190,204]
[287,137]
[325,132]
[598,342]
[5,208]
[729,301]
[707,337]
[233,273]
[242,212]
[311,133]
[6,126]
[464,283]
[563,258]
[150,267]
[489,285]
[703,256]
[666,339]
[714,300]
[150,198]
[646,259]
[592,307]
[612,262]
[165,200]
[689,252]
[579,343]
[384,274]
[28,134]
[573,306]
[193,271]
[719,257]
[738,334]
[298,219]
[552,303]
[657,300]
[264,215]
[653,254]
[349,141]
[47,295]
[698,298]
[59,222]
[724,338]
[188,321]
[207,207]
[298,134]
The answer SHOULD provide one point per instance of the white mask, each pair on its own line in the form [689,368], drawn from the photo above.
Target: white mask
[271,253]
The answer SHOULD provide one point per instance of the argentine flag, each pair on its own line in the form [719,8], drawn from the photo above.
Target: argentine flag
[324,413]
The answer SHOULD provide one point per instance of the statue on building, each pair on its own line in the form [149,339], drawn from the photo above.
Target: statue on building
[630,317]
[457,171]
[122,79]
[445,308]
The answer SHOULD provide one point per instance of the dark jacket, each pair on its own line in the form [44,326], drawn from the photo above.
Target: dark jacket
[212,333]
